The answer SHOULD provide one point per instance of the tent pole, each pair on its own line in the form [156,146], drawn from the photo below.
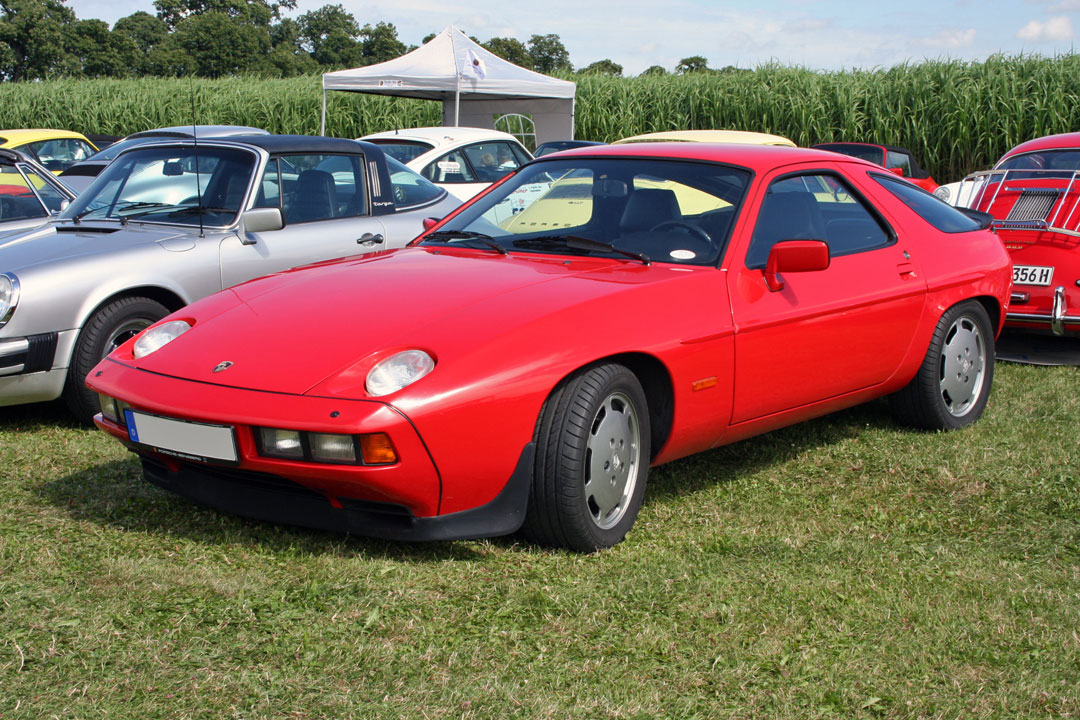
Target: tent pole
[322,128]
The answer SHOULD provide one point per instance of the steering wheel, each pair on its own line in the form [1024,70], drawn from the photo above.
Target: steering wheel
[694,230]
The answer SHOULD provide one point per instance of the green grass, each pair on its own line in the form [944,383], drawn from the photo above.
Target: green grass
[844,568]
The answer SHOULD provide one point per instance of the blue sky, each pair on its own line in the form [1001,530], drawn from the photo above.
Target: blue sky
[820,34]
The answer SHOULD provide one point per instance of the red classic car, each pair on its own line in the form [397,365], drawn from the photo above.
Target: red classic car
[525,361]
[1033,194]
[891,157]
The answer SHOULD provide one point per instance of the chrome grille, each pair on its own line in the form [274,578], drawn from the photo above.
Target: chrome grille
[1032,205]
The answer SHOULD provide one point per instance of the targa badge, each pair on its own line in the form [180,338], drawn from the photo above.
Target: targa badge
[223,366]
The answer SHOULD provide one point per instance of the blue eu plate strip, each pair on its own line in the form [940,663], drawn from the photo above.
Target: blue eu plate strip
[133,433]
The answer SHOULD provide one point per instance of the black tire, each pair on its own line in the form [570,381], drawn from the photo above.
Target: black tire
[109,327]
[953,384]
[568,505]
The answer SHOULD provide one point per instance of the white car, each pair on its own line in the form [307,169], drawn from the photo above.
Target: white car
[461,160]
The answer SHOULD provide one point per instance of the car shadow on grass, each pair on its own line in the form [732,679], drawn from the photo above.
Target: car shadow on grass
[727,462]
[115,495]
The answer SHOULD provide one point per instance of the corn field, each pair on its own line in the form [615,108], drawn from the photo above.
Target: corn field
[955,116]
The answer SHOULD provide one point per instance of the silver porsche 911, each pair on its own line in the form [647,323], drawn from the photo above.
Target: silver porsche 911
[168,223]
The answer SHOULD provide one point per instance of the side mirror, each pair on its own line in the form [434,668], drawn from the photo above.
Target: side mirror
[795,256]
[897,171]
[431,222]
[259,220]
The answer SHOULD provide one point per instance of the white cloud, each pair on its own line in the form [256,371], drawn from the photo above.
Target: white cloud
[950,39]
[1056,29]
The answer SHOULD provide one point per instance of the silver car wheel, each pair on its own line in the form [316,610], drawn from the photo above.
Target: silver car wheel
[963,366]
[613,458]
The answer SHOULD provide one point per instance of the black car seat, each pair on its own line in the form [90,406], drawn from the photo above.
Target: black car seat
[315,197]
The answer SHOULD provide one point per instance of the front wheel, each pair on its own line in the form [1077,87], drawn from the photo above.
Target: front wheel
[592,460]
[107,329]
[953,384]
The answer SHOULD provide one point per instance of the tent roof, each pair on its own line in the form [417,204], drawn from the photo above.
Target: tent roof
[448,63]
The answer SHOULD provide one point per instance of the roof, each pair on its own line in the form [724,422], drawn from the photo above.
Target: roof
[440,136]
[277,144]
[1048,142]
[448,64]
[742,137]
[23,136]
[199,131]
[758,157]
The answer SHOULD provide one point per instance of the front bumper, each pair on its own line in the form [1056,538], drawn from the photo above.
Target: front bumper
[399,501]
[29,371]
[274,499]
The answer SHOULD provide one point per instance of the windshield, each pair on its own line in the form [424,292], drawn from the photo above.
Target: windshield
[654,210]
[170,185]
[403,151]
[1065,159]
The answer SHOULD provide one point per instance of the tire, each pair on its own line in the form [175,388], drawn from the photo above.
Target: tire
[952,386]
[592,460]
[109,327]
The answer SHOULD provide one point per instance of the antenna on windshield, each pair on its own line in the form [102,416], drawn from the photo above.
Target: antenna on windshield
[195,140]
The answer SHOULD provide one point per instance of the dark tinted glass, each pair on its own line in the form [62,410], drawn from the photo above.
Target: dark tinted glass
[941,215]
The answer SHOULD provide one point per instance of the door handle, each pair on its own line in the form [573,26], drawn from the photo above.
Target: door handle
[369,239]
[906,270]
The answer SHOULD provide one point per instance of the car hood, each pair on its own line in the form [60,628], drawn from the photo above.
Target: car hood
[54,241]
[293,331]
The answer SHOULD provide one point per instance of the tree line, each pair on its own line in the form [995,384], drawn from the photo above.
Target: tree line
[43,39]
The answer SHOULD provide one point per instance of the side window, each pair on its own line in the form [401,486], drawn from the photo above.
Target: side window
[805,207]
[941,215]
[491,160]
[62,153]
[409,188]
[321,187]
[49,195]
[17,200]
[450,168]
[899,160]
[269,195]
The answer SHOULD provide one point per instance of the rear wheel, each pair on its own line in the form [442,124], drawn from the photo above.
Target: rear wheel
[107,329]
[953,384]
[592,460]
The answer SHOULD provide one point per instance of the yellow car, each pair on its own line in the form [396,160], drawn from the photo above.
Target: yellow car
[57,150]
[740,137]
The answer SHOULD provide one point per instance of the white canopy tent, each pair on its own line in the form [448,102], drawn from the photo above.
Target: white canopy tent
[473,84]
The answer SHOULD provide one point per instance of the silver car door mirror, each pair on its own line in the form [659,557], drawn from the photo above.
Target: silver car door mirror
[259,220]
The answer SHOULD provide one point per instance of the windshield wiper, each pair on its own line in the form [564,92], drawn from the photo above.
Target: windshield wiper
[144,208]
[448,235]
[578,242]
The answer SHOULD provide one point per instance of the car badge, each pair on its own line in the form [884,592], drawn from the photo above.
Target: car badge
[223,366]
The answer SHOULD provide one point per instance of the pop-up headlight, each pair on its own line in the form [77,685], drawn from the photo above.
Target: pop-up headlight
[159,336]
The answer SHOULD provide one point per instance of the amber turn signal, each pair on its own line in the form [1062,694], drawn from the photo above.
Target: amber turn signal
[377,449]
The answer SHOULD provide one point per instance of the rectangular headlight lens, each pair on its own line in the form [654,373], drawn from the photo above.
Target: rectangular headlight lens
[332,448]
[108,407]
[281,443]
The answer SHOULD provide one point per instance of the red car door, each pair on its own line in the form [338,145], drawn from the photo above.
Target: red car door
[827,332]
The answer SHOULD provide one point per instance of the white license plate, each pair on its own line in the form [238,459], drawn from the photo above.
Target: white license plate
[1032,274]
[182,438]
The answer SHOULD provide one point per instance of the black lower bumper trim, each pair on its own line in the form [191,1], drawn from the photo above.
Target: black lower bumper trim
[274,499]
[39,354]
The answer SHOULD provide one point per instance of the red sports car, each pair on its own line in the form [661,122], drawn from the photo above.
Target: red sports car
[1033,194]
[527,359]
